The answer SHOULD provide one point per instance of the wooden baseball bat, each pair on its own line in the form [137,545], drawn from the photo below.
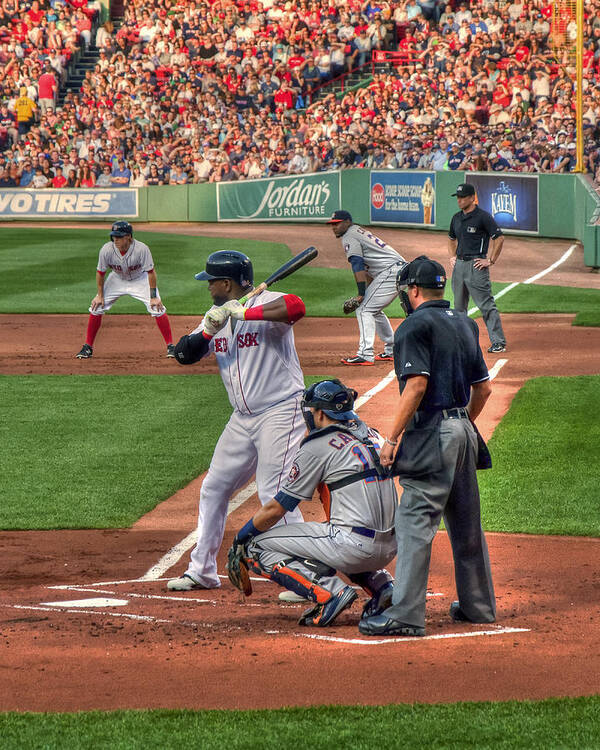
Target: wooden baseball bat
[286,270]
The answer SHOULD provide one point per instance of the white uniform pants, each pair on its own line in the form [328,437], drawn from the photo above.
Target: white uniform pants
[115,287]
[370,316]
[262,444]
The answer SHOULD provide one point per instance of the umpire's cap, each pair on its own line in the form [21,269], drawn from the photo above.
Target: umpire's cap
[121,229]
[228,264]
[422,271]
[332,397]
[340,215]
[463,190]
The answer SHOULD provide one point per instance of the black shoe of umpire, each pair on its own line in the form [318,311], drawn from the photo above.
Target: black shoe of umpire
[384,625]
[458,615]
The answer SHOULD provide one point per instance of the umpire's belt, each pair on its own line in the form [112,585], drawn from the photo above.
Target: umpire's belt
[431,418]
[460,413]
[371,533]
[469,257]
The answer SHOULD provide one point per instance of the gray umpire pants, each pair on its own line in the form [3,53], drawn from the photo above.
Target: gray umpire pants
[468,280]
[452,492]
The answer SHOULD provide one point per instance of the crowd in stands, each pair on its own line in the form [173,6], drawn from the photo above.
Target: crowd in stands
[199,91]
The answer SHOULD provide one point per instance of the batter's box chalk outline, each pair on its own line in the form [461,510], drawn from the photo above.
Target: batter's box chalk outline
[407,639]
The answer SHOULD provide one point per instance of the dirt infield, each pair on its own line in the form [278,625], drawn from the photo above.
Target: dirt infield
[104,640]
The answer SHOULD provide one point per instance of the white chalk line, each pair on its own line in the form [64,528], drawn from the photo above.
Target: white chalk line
[211,626]
[532,279]
[407,639]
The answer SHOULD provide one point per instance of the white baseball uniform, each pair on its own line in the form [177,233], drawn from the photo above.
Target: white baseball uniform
[261,372]
[359,502]
[382,263]
[129,275]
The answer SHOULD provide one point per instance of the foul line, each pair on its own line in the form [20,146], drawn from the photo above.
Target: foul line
[176,553]
[531,279]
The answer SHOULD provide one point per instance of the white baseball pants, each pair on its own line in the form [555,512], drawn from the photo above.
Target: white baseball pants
[115,287]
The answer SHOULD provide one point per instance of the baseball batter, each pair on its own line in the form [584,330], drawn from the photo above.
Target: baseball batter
[132,273]
[339,456]
[371,258]
[258,362]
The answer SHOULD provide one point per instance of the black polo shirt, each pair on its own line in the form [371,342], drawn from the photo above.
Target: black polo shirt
[473,232]
[442,344]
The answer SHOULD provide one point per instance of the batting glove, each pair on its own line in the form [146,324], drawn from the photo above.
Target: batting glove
[214,319]
[236,309]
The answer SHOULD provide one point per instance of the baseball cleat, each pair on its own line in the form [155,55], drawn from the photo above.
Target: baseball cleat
[497,348]
[383,357]
[458,615]
[291,597]
[171,351]
[356,361]
[185,583]
[86,352]
[322,615]
[384,625]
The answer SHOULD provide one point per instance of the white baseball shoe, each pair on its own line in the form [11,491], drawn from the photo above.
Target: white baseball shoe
[185,583]
[291,597]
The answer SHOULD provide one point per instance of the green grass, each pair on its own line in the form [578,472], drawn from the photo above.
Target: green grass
[588,318]
[91,451]
[544,453]
[53,271]
[99,451]
[554,723]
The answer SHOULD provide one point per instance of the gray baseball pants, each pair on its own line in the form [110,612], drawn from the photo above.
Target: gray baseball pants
[468,280]
[370,316]
[452,492]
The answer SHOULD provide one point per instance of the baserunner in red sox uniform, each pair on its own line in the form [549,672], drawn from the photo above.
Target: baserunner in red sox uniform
[257,359]
[370,257]
[132,273]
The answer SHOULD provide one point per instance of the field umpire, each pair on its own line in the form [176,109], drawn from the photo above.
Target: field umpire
[470,232]
[444,385]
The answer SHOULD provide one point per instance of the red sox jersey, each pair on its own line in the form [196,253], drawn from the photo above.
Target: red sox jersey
[257,360]
[135,263]
[377,254]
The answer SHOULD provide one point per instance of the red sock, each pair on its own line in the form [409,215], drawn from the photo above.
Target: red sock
[94,323]
[165,328]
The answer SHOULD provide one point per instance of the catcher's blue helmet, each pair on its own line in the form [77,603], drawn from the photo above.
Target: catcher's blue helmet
[228,264]
[333,398]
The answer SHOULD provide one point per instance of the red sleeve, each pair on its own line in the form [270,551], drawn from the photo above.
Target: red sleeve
[295,308]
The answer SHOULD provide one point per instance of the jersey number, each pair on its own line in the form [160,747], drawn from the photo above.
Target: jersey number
[364,461]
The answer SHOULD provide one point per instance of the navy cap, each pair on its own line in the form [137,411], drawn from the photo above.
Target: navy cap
[340,215]
[423,271]
[463,190]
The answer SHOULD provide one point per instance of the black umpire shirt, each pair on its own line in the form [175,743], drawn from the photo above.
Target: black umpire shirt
[473,232]
[442,344]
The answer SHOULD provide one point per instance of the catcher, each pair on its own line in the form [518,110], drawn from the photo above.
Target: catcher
[375,265]
[340,457]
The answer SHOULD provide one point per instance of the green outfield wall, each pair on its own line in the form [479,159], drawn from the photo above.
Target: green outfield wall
[544,205]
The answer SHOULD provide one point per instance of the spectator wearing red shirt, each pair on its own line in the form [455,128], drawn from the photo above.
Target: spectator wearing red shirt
[47,88]
[284,97]
[59,180]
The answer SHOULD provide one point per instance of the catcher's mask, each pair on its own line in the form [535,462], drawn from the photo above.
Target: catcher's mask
[423,272]
[228,264]
[333,398]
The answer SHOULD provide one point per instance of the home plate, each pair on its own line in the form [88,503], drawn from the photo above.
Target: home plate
[98,602]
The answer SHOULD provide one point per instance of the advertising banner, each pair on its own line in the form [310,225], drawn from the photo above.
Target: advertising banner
[511,199]
[402,197]
[308,197]
[62,204]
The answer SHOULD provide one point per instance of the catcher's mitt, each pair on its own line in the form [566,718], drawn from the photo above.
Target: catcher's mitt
[237,570]
[351,304]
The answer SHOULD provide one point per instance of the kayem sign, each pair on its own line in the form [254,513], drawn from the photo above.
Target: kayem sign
[378,196]
[49,203]
[295,198]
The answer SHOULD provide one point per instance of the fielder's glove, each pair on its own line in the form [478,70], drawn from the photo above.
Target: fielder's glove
[236,309]
[237,569]
[351,304]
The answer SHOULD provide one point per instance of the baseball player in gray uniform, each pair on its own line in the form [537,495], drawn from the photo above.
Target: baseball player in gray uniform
[339,456]
[133,274]
[369,257]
